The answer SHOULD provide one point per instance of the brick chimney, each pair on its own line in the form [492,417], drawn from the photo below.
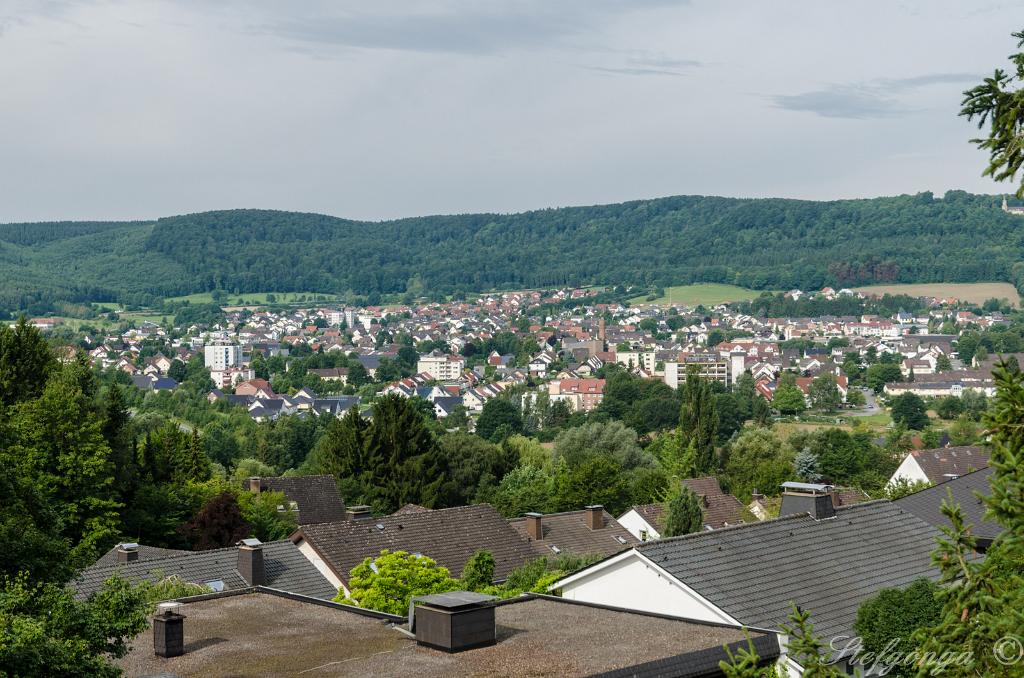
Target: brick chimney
[250,562]
[168,630]
[127,553]
[595,516]
[534,527]
[359,512]
[254,485]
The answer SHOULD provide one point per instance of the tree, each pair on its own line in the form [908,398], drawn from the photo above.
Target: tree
[524,489]
[44,631]
[757,459]
[855,397]
[909,409]
[218,524]
[26,363]
[474,467]
[983,600]
[963,431]
[479,571]
[698,422]
[596,480]
[999,102]
[685,514]
[806,466]
[824,393]
[498,413]
[943,364]
[387,582]
[612,440]
[888,620]
[880,374]
[788,398]
[949,407]
[901,487]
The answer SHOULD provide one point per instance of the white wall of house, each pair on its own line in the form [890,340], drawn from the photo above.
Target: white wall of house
[637,526]
[633,582]
[318,562]
[910,470]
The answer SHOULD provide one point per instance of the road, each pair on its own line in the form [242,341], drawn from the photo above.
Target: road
[870,407]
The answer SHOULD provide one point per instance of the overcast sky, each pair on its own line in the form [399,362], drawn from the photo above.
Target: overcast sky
[373,110]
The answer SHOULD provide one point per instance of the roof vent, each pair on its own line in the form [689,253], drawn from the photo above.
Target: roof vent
[453,622]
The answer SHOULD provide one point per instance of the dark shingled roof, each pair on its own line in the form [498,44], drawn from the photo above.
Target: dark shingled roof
[317,496]
[286,569]
[145,553]
[942,463]
[569,532]
[927,504]
[720,509]
[654,514]
[848,496]
[449,536]
[266,634]
[828,567]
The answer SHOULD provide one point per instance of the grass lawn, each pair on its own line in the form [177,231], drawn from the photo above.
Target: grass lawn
[975,293]
[708,294]
[252,297]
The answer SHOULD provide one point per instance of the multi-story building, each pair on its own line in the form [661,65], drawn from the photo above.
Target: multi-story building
[582,395]
[441,366]
[220,357]
[714,366]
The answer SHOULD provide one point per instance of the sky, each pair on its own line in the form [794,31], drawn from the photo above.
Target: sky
[137,109]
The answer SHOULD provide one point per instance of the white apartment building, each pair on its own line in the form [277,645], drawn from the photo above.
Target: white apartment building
[220,357]
[440,366]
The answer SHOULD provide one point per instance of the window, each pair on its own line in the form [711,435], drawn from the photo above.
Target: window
[643,535]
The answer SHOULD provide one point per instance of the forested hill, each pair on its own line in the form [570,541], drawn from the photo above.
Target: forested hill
[759,243]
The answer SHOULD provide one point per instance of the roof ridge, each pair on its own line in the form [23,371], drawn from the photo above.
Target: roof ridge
[728,528]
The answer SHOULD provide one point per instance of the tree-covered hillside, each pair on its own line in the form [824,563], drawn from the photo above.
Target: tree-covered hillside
[757,243]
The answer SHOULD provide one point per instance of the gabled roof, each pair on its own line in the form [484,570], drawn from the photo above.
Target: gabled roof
[145,553]
[570,534]
[449,536]
[755,571]
[317,497]
[286,569]
[927,504]
[942,463]
[720,509]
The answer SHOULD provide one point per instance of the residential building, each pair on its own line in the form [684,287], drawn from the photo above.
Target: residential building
[441,366]
[592,531]
[220,357]
[940,464]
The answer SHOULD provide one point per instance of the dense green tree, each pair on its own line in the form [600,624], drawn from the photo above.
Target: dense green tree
[611,440]
[824,393]
[949,407]
[45,631]
[341,452]
[685,514]
[788,398]
[475,467]
[499,415]
[26,363]
[595,480]
[479,571]
[387,582]
[878,375]
[698,422]
[887,621]
[806,465]
[759,460]
[523,490]
[909,409]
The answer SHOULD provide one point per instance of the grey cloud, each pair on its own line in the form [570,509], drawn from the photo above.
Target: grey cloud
[625,70]
[875,99]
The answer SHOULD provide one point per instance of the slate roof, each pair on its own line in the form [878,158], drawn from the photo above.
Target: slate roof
[145,553]
[317,496]
[828,567]
[449,536]
[286,569]
[721,509]
[570,534]
[927,504]
[941,463]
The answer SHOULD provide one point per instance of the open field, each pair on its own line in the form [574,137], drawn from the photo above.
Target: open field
[708,294]
[975,293]
[253,297]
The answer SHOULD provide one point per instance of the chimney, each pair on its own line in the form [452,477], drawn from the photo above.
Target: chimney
[359,512]
[756,496]
[453,622]
[595,516]
[254,485]
[810,498]
[168,630]
[127,552]
[250,562]
[534,528]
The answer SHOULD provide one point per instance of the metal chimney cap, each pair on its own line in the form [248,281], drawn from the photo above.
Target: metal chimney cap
[251,542]
[168,608]
[128,546]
